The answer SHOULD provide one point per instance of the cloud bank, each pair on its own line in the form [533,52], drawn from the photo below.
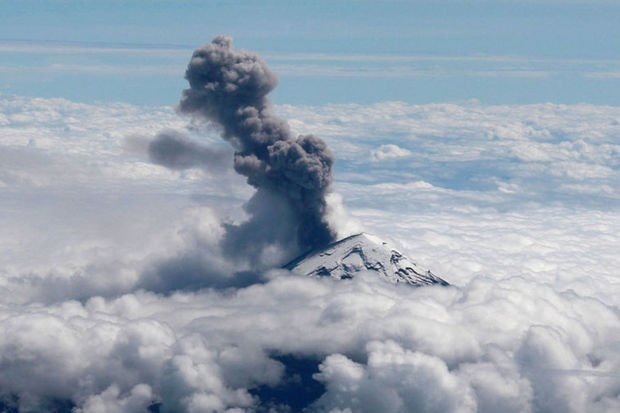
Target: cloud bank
[491,346]
[531,325]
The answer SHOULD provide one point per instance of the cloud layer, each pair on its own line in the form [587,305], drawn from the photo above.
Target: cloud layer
[517,206]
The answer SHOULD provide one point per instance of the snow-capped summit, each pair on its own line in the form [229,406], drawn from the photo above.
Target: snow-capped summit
[363,252]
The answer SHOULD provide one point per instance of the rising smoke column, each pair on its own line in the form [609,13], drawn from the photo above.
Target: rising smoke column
[292,175]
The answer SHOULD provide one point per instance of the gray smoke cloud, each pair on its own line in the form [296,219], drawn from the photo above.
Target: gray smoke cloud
[176,150]
[292,175]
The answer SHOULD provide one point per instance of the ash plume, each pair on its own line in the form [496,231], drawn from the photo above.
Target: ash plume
[292,175]
[177,151]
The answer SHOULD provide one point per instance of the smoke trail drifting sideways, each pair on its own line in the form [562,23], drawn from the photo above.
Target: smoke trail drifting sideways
[292,175]
[175,150]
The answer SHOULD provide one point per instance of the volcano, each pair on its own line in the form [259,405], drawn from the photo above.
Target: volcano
[363,253]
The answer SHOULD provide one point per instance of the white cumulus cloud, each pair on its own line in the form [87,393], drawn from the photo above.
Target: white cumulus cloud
[103,254]
[389,151]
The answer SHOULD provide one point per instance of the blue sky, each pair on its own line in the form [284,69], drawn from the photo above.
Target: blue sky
[324,52]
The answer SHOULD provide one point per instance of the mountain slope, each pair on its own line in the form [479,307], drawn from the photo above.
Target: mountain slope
[363,252]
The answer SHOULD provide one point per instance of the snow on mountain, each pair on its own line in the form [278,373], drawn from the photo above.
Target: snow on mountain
[363,252]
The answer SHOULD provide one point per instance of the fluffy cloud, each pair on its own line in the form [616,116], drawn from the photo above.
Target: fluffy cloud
[516,206]
[542,153]
[390,151]
[510,345]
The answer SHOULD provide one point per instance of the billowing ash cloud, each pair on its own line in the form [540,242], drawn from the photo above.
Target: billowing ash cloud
[292,175]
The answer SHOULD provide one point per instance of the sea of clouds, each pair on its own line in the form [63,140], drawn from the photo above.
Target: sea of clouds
[517,206]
